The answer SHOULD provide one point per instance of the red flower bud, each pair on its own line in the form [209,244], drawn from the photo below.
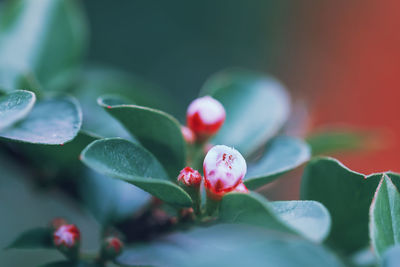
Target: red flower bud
[66,236]
[111,247]
[189,177]
[205,117]
[188,135]
[224,169]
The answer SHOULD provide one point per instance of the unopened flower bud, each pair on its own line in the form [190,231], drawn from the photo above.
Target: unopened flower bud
[205,116]
[188,135]
[67,239]
[224,169]
[111,248]
[189,177]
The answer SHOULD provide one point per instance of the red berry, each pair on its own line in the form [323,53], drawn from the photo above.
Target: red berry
[205,116]
[111,248]
[189,177]
[241,188]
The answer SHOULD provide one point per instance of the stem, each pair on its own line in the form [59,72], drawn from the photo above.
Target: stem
[212,206]
[194,193]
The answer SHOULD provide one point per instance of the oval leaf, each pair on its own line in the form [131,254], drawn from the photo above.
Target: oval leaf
[229,245]
[132,163]
[157,131]
[307,218]
[257,106]
[347,196]
[52,121]
[47,38]
[385,216]
[281,155]
[14,106]
[38,238]
[391,258]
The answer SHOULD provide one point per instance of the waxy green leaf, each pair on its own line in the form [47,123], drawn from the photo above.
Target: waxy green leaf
[46,38]
[347,195]
[384,218]
[52,121]
[307,218]
[229,245]
[157,131]
[256,107]
[281,155]
[132,163]
[37,238]
[391,257]
[14,106]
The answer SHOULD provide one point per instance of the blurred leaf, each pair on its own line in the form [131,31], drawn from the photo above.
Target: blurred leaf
[37,238]
[229,245]
[384,219]
[256,105]
[391,258]
[346,194]
[132,163]
[52,121]
[281,155]
[66,263]
[334,140]
[157,131]
[97,81]
[14,106]
[13,78]
[110,200]
[307,218]
[47,38]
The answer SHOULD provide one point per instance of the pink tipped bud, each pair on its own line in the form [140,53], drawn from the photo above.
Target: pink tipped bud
[188,135]
[66,236]
[205,116]
[189,177]
[111,248]
[241,188]
[224,169]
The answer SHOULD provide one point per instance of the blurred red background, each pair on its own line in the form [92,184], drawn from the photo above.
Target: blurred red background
[346,55]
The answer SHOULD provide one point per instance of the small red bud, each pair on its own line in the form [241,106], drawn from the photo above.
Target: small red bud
[111,248]
[66,236]
[224,169]
[189,177]
[188,135]
[205,116]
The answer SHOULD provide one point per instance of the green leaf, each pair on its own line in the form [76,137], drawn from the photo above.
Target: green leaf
[110,200]
[229,245]
[336,140]
[132,163]
[37,238]
[391,257]
[347,196]
[14,106]
[47,38]
[52,121]
[14,78]
[256,105]
[281,155]
[157,131]
[66,263]
[307,218]
[384,219]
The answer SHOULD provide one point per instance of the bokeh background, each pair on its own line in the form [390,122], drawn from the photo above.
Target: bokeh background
[340,58]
